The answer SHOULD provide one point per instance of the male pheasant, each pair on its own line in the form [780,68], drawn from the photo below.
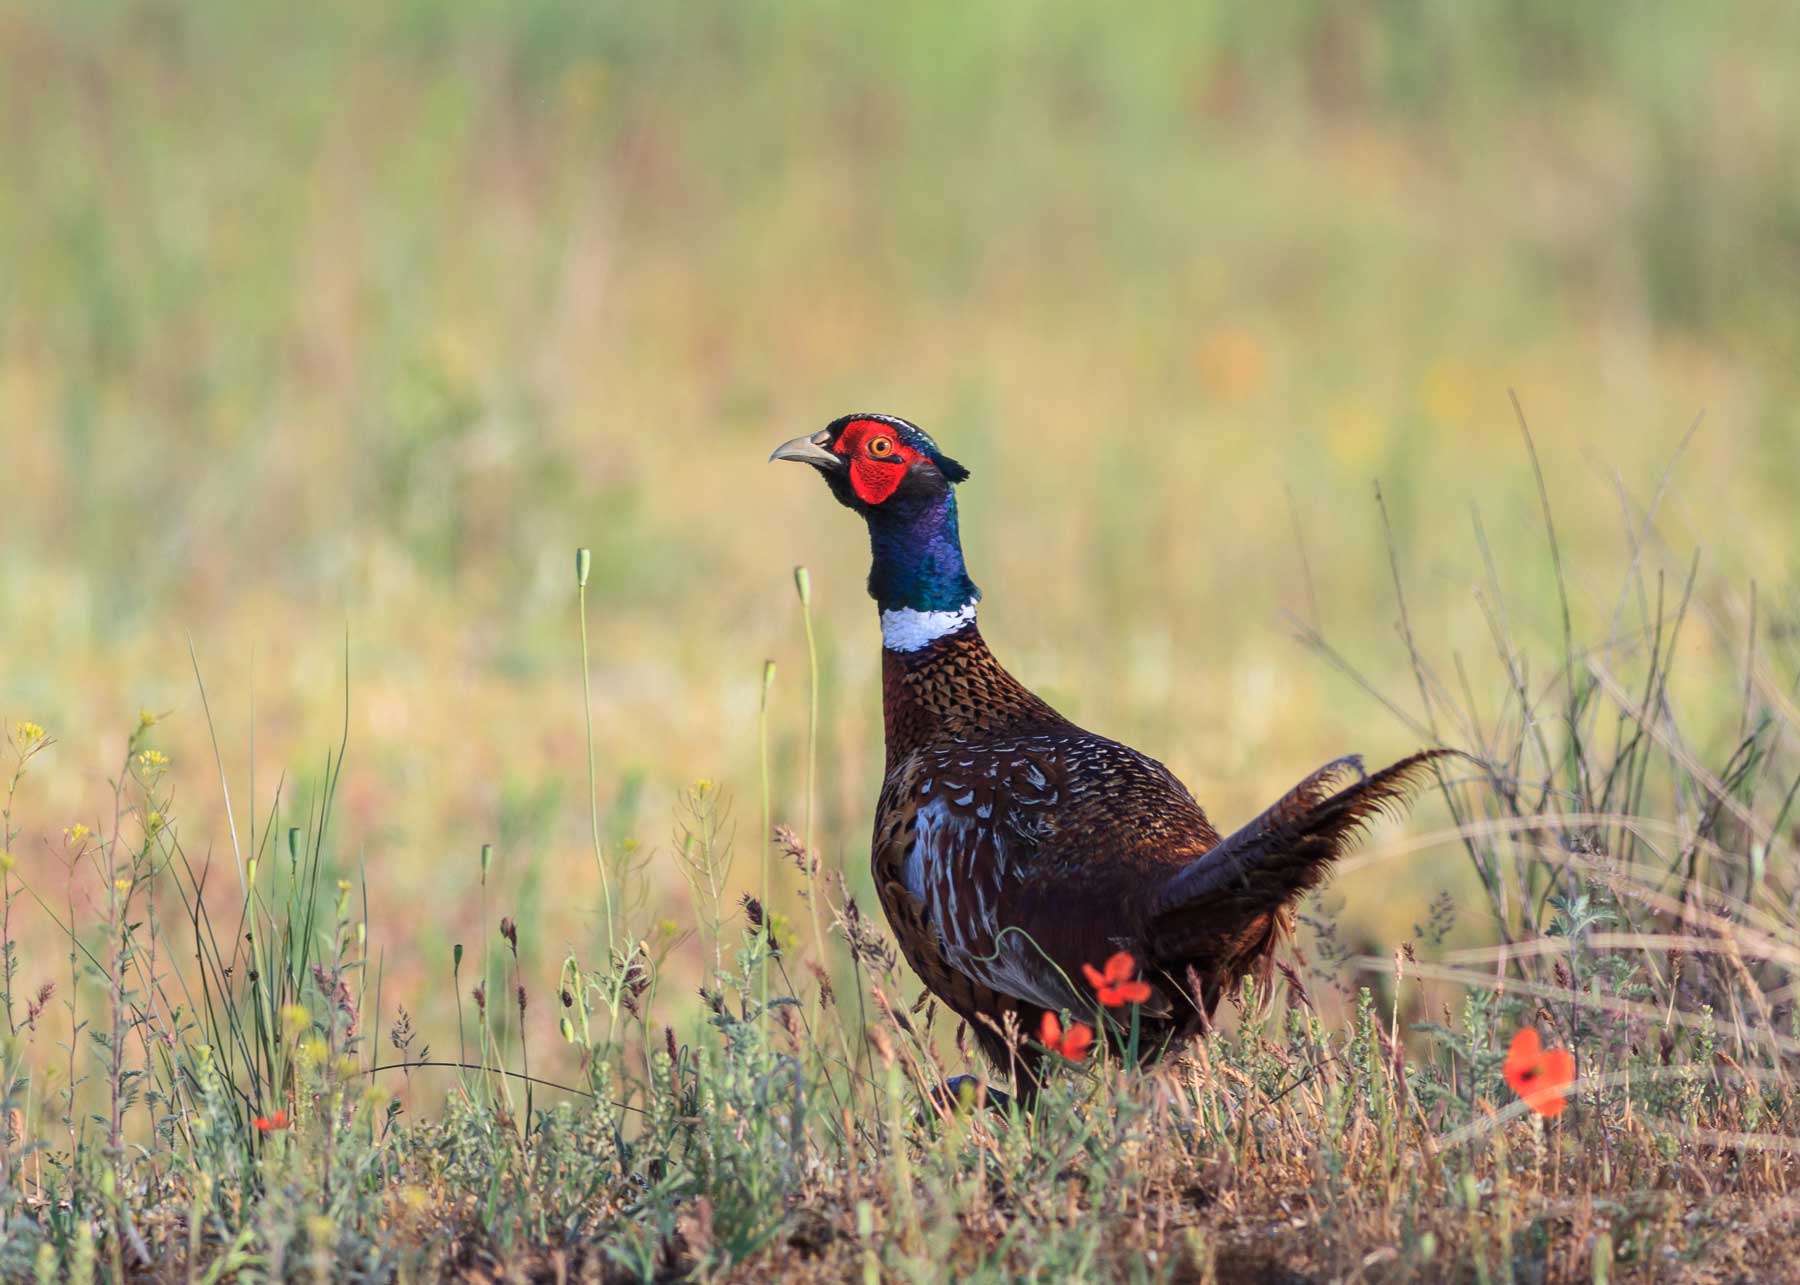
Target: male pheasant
[1012,847]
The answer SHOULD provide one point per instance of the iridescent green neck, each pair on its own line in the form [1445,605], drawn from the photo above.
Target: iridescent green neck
[917,556]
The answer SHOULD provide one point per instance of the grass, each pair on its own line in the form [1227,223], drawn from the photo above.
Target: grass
[330,336]
[1639,892]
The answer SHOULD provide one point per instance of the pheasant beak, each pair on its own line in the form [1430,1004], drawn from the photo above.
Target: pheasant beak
[810,450]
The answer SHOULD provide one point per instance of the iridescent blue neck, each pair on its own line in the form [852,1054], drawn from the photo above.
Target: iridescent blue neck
[918,561]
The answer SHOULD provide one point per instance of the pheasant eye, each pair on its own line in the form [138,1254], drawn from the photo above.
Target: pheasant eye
[881,447]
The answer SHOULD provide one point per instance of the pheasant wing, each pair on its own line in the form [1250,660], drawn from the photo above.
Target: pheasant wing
[1008,864]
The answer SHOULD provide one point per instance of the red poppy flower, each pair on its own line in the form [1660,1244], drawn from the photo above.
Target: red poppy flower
[1113,984]
[1543,1077]
[270,1123]
[1072,1044]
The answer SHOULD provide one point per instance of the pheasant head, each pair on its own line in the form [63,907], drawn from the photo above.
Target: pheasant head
[894,475]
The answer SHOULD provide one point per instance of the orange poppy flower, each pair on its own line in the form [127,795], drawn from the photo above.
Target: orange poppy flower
[1113,983]
[270,1123]
[1543,1077]
[1072,1044]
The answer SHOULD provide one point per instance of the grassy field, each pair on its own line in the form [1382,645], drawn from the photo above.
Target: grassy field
[328,335]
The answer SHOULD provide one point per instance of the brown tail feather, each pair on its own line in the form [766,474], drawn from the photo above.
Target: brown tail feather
[1266,865]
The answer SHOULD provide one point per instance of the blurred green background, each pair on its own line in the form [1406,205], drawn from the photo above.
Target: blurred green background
[350,318]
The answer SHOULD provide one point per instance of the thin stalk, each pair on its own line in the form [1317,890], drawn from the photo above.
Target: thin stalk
[764,840]
[762,739]
[115,1126]
[462,1046]
[485,998]
[25,750]
[413,1065]
[115,1071]
[75,1023]
[803,586]
[524,1044]
[219,761]
[582,560]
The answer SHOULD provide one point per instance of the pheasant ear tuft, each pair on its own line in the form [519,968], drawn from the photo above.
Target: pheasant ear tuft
[952,471]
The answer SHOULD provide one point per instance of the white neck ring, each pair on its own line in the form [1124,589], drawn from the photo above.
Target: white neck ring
[907,630]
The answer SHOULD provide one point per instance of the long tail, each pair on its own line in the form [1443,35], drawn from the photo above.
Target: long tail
[1255,872]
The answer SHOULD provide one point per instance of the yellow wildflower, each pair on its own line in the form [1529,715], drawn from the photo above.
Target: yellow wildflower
[153,760]
[295,1018]
[1447,392]
[313,1052]
[146,718]
[667,927]
[28,733]
[76,833]
[703,786]
[122,885]
[153,821]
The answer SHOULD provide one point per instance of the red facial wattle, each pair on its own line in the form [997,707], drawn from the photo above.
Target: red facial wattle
[878,459]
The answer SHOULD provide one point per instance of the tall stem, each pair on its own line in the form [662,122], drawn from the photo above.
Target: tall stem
[762,738]
[481,1015]
[764,842]
[803,585]
[6,860]
[582,558]
[115,1077]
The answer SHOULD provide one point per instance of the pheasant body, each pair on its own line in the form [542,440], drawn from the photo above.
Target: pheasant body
[1010,846]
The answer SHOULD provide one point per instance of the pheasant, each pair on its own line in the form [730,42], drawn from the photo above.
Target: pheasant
[1012,848]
